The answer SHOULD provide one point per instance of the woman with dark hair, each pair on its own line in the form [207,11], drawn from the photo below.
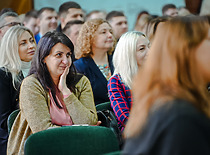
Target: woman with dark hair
[53,95]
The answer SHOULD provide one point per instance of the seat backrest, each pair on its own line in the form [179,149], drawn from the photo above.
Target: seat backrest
[104,106]
[79,140]
[11,119]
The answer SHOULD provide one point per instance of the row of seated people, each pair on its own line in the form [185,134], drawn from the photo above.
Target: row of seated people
[54,94]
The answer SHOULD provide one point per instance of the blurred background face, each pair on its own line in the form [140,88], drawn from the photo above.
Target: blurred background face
[27,47]
[73,14]
[74,32]
[9,22]
[119,25]
[96,15]
[48,21]
[203,58]
[142,48]
[171,12]
[104,38]
[32,25]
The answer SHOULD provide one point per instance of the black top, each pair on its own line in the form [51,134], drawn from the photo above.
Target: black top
[59,29]
[8,103]
[98,82]
[174,129]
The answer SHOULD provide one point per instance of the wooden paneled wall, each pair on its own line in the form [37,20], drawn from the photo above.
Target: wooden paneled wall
[193,6]
[19,6]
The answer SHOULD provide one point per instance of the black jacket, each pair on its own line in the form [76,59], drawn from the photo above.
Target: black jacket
[8,103]
[98,82]
[174,129]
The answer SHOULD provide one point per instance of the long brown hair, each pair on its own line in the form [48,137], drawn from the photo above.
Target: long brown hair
[171,71]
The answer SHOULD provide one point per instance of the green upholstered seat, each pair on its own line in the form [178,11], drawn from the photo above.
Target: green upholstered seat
[75,140]
[11,119]
[104,106]
[114,153]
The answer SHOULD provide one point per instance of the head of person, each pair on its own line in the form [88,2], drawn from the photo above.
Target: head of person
[55,52]
[183,11]
[96,14]
[152,25]
[70,11]
[72,29]
[169,10]
[7,20]
[141,21]
[130,54]
[47,20]
[30,21]
[119,23]
[95,34]
[177,67]
[4,10]
[18,45]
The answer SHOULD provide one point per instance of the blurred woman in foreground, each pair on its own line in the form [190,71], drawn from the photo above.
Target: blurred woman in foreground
[171,111]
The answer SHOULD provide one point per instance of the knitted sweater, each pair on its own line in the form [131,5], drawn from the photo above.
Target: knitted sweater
[34,113]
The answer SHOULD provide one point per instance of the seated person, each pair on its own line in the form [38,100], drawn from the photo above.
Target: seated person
[53,95]
[17,49]
[94,45]
[129,55]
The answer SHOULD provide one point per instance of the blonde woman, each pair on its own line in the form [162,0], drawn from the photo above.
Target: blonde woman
[129,55]
[171,110]
[17,49]
[94,44]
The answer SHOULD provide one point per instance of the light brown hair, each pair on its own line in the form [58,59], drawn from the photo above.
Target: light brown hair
[171,71]
[86,37]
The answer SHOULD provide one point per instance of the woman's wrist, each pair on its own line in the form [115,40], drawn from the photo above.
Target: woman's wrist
[66,93]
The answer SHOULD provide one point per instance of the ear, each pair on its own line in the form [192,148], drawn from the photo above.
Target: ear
[38,21]
[62,20]
[44,61]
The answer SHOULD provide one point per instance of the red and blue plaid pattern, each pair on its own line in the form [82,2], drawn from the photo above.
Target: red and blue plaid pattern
[121,99]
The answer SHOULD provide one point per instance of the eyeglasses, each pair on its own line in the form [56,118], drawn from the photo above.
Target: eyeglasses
[12,24]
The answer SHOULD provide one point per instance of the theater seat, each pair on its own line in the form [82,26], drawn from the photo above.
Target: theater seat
[75,140]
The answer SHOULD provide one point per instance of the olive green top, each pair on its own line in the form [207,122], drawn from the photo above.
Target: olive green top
[34,113]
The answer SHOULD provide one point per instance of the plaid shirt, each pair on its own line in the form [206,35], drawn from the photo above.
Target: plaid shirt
[121,100]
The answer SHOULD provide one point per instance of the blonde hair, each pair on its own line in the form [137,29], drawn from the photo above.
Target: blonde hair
[124,58]
[171,71]
[86,37]
[9,55]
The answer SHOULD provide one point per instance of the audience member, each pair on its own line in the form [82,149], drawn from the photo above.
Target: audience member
[30,21]
[118,21]
[171,110]
[7,20]
[47,21]
[17,49]
[96,14]
[183,11]
[129,55]
[95,43]
[6,10]
[169,10]
[69,11]
[152,24]
[72,29]
[53,95]
[141,21]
